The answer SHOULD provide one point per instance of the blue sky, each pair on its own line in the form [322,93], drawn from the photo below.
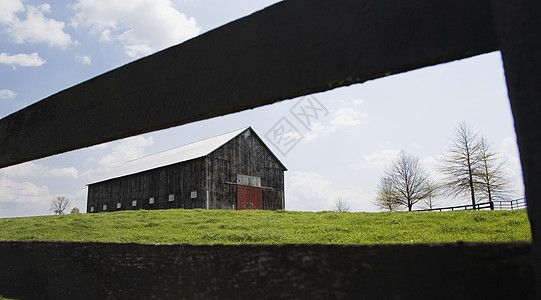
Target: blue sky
[47,46]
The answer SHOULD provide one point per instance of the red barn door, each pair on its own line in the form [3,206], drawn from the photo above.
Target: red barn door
[249,197]
[256,196]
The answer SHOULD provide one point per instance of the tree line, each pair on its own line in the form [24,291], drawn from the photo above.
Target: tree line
[470,168]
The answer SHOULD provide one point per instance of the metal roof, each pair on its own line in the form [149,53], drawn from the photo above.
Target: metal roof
[169,157]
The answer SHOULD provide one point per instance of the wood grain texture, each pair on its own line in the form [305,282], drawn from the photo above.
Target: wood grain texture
[177,179]
[56,270]
[518,28]
[287,50]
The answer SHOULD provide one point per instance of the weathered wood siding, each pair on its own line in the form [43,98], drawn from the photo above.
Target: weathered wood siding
[210,176]
[178,180]
[246,154]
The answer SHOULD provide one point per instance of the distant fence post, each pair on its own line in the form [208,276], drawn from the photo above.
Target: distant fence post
[500,204]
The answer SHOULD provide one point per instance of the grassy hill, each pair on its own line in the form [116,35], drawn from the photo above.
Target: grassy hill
[271,227]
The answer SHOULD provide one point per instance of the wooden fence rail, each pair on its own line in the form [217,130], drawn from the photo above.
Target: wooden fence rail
[510,204]
[290,49]
[478,206]
[495,205]
[56,270]
[293,48]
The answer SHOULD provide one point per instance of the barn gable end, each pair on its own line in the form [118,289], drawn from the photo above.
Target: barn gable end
[184,178]
[246,154]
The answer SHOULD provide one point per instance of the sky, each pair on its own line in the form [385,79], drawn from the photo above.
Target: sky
[50,45]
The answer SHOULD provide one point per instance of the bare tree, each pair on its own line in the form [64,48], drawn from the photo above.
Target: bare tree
[340,205]
[410,183]
[462,163]
[60,204]
[492,180]
[430,200]
[386,198]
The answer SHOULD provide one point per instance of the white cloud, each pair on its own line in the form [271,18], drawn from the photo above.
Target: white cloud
[84,59]
[106,36]
[22,192]
[127,149]
[121,152]
[62,172]
[32,169]
[382,159]
[351,102]
[137,50]
[36,28]
[316,129]
[141,27]
[309,191]
[379,159]
[8,9]
[432,165]
[345,117]
[341,118]
[23,199]
[23,60]
[7,94]
[28,169]
[357,101]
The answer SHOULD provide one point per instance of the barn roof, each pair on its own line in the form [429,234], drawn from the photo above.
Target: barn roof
[169,157]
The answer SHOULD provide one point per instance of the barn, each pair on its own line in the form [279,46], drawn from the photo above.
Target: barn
[235,170]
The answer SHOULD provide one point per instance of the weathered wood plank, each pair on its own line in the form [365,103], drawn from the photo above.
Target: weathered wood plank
[56,270]
[518,28]
[290,49]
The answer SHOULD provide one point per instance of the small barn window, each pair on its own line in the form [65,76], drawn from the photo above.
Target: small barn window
[193,194]
[118,205]
[92,209]
[151,200]
[105,207]
[171,197]
[134,203]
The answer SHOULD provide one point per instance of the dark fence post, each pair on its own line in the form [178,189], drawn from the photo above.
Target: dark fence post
[517,25]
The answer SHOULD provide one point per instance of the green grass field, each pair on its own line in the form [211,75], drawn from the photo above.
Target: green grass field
[271,227]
